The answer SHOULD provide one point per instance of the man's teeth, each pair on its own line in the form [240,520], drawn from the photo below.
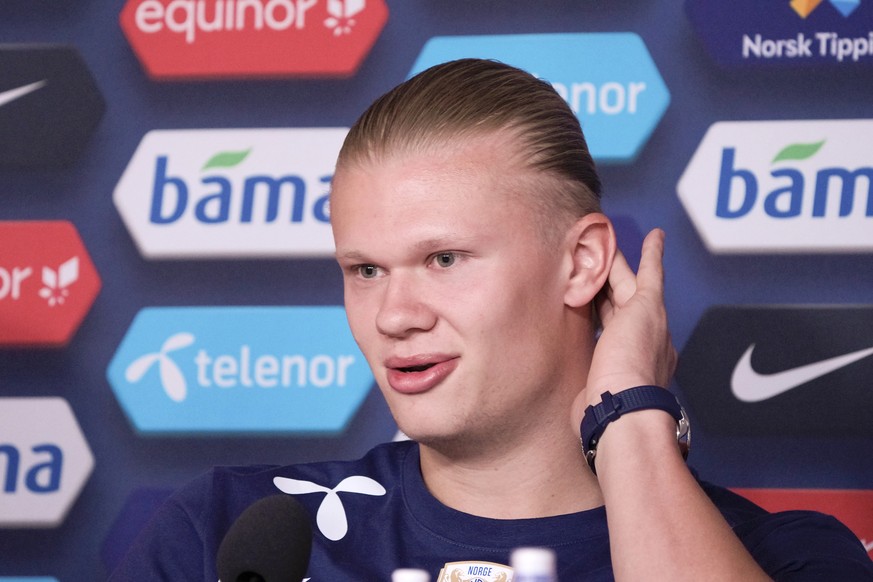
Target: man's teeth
[421,368]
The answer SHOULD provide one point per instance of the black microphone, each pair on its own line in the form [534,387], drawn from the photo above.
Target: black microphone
[270,542]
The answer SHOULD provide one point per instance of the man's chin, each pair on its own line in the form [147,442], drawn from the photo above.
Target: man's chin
[450,446]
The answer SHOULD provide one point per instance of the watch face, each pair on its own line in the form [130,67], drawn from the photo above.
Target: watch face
[683,434]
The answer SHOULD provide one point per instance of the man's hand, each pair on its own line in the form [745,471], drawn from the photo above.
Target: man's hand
[634,348]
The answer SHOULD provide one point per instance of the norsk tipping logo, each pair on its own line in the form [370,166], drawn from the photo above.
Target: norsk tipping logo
[792,33]
[805,7]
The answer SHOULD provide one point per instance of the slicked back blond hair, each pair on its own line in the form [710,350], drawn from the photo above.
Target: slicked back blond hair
[473,97]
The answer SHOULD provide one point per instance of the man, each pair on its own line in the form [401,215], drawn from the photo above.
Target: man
[477,271]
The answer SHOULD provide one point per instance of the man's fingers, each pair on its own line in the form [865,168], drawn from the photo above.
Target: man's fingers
[603,306]
[650,275]
[622,282]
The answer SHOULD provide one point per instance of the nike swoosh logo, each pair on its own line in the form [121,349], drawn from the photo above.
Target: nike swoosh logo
[12,94]
[750,386]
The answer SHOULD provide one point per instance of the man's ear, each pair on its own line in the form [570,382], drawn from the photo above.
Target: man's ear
[591,244]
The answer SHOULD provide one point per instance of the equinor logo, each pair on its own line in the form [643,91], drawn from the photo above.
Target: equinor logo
[230,193]
[240,369]
[47,282]
[800,186]
[247,38]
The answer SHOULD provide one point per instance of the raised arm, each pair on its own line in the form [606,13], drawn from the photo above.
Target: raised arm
[662,526]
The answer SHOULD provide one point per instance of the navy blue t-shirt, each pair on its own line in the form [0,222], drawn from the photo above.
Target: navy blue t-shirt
[375,514]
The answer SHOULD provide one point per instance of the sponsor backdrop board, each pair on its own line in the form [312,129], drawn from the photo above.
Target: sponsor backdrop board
[186,160]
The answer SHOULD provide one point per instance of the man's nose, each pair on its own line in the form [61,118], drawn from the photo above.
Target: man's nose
[404,309]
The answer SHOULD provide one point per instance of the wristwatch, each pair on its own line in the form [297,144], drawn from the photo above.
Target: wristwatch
[613,406]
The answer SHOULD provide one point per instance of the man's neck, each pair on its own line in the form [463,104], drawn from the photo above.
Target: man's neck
[537,478]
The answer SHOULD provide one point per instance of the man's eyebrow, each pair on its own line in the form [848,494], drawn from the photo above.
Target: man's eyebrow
[436,243]
[351,256]
[448,242]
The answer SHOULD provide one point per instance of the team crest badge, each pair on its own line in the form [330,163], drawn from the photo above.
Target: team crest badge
[475,572]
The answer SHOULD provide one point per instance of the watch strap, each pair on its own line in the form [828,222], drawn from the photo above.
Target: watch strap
[613,406]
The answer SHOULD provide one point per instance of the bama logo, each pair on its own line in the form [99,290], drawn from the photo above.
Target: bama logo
[785,32]
[778,371]
[47,282]
[44,461]
[239,370]
[608,79]
[782,186]
[187,39]
[230,193]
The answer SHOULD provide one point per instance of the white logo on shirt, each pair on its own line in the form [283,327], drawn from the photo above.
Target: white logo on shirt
[331,517]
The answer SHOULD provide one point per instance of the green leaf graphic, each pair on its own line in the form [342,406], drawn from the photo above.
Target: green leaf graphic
[226,159]
[798,151]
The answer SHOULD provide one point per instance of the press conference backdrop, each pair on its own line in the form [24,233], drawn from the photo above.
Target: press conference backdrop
[167,297]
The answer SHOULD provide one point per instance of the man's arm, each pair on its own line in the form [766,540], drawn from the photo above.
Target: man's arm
[662,526]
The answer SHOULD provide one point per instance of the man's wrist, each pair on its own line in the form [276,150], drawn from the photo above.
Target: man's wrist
[612,407]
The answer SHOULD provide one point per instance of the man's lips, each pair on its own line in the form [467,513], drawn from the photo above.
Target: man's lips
[420,373]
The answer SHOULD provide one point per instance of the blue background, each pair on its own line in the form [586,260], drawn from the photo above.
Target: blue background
[701,93]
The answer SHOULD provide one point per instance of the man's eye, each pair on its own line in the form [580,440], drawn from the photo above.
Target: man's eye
[444,259]
[368,271]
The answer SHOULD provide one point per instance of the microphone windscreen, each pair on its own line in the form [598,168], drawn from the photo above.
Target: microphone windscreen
[271,541]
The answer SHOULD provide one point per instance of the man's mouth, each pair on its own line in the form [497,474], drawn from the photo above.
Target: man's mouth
[420,368]
[420,373]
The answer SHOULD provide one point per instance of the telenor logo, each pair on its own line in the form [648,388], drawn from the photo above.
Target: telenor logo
[781,370]
[231,193]
[239,369]
[44,461]
[49,105]
[786,33]
[608,79]
[782,186]
[179,39]
[47,283]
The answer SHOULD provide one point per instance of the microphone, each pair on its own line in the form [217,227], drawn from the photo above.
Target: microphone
[410,575]
[270,542]
[533,565]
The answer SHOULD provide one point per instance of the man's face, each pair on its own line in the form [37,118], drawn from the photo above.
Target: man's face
[451,292]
